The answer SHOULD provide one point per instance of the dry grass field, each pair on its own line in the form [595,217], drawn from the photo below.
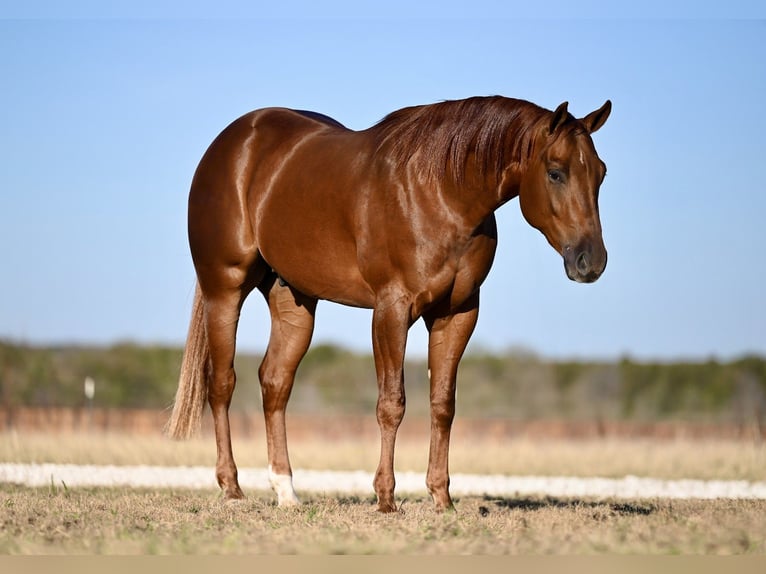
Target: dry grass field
[57,520]
[706,459]
[61,520]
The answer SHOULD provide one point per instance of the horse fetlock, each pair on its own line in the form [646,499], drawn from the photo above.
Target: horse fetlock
[282,485]
[384,485]
[441,498]
[229,484]
[439,491]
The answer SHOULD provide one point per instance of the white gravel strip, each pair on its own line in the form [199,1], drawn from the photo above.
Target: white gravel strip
[360,482]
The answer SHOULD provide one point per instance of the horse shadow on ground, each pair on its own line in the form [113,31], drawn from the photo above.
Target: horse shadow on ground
[529,504]
[535,504]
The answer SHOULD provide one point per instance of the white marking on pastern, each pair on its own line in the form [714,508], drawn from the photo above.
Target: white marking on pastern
[282,484]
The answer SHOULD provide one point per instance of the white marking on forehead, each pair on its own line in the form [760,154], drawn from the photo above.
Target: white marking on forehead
[582,158]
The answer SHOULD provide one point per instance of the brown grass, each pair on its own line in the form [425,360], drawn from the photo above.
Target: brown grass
[113,521]
[610,457]
[63,520]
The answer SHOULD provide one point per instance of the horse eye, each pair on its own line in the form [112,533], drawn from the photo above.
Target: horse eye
[555,176]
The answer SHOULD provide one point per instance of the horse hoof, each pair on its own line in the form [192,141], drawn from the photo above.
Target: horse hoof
[233,495]
[289,502]
[446,509]
[386,507]
[442,506]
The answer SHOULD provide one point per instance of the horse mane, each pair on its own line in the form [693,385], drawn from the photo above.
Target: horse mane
[495,130]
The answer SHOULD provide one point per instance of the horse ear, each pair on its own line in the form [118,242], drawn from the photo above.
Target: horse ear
[559,117]
[595,120]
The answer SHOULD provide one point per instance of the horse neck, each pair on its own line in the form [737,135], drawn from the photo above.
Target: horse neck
[479,192]
[474,154]
[492,176]
[473,197]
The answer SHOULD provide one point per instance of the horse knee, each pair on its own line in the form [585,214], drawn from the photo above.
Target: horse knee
[443,410]
[390,409]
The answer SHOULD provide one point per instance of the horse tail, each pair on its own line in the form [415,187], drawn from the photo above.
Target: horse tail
[186,417]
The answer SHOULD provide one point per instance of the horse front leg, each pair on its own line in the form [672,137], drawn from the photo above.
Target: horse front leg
[448,337]
[390,322]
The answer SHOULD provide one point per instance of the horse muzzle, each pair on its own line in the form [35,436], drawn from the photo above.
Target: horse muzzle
[585,262]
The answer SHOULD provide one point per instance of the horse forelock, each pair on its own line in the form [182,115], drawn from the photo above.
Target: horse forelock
[496,131]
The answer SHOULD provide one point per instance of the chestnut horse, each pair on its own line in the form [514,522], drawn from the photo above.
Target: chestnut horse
[397,218]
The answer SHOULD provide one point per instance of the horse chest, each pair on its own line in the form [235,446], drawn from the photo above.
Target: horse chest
[451,280]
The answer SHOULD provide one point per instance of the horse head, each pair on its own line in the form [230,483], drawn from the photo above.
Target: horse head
[558,190]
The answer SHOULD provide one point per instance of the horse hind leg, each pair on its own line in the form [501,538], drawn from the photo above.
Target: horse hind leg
[224,290]
[292,326]
[221,319]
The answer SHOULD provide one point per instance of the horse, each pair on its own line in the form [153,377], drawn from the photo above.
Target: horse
[397,218]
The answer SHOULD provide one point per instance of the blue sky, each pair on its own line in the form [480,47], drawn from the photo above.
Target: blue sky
[105,113]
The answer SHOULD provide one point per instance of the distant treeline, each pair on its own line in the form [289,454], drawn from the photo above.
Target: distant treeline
[334,380]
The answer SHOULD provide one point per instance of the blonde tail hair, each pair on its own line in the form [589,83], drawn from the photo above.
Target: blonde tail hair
[186,418]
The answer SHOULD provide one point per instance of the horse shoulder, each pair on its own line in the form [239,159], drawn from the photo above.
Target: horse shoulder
[475,262]
[460,274]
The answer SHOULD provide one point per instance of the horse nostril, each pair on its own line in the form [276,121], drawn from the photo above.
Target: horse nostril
[583,263]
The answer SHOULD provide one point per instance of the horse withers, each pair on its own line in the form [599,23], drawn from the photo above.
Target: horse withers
[397,218]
